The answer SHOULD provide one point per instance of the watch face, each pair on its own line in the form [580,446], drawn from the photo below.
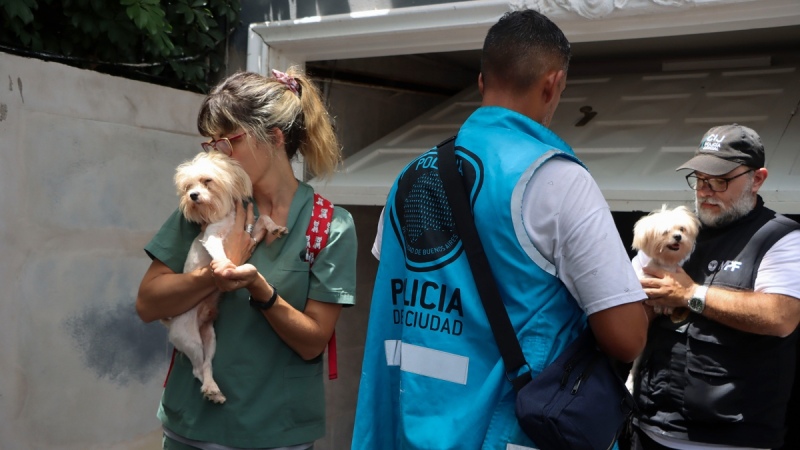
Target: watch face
[695,304]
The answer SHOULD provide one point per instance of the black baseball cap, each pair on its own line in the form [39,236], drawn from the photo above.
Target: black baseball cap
[725,148]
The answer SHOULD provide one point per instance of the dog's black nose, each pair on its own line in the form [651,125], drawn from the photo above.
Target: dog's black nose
[677,237]
[194,196]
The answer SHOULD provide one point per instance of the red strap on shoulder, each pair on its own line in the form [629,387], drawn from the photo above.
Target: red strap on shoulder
[319,228]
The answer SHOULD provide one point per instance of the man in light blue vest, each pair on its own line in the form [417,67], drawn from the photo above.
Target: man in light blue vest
[432,374]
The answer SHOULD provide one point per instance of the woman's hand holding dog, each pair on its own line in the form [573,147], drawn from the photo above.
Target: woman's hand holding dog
[667,290]
[230,277]
[239,246]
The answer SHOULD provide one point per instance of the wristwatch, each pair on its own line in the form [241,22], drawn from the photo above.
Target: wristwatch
[698,301]
[265,305]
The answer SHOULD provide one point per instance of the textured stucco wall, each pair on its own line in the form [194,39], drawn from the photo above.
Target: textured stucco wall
[86,164]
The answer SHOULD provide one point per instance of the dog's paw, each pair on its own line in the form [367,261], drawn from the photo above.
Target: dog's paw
[215,397]
[280,231]
[222,265]
[222,262]
[212,393]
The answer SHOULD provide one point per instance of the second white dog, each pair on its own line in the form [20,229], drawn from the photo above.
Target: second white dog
[665,239]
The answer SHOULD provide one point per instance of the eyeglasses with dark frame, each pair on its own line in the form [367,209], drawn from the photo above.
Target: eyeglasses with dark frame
[222,144]
[715,184]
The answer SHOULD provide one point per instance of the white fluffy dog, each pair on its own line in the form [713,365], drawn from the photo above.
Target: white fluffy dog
[665,239]
[209,186]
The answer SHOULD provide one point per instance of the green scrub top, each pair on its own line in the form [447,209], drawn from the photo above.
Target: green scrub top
[274,397]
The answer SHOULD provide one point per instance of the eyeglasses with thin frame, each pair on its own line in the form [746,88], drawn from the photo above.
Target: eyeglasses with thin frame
[222,144]
[715,184]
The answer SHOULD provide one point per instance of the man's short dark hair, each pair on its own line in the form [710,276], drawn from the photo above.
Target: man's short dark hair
[521,47]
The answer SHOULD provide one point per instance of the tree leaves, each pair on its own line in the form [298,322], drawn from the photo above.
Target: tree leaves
[180,43]
[21,9]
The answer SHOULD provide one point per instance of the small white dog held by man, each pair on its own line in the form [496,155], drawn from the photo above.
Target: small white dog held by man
[665,239]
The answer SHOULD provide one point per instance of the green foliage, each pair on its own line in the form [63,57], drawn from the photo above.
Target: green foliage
[179,43]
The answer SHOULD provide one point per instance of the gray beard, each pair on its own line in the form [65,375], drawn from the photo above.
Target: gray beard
[736,211]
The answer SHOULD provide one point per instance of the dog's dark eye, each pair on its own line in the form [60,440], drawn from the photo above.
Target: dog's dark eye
[682,229]
[206,181]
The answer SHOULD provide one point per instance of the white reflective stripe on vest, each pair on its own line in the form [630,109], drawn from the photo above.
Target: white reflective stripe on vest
[427,362]
[519,447]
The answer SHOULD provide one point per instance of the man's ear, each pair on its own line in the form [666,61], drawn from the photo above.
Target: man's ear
[551,85]
[759,178]
[480,83]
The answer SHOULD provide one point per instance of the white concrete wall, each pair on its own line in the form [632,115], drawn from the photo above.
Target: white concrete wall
[86,164]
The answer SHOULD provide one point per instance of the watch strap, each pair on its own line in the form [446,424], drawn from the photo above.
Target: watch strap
[265,305]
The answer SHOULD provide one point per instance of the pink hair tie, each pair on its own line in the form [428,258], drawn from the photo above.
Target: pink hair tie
[287,80]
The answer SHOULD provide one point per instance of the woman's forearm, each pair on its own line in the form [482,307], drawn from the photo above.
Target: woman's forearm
[164,293]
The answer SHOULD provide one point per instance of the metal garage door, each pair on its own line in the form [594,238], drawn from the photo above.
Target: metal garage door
[645,126]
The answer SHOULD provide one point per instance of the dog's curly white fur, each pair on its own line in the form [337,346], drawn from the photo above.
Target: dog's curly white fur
[666,237]
[209,186]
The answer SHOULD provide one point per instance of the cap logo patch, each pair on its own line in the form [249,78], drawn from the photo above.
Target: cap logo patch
[713,142]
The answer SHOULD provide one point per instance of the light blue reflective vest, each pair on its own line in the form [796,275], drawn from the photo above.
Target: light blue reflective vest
[432,376]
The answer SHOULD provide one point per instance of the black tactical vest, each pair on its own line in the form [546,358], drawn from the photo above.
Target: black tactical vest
[705,382]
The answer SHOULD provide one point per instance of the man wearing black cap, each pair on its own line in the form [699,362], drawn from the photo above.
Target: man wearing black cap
[721,378]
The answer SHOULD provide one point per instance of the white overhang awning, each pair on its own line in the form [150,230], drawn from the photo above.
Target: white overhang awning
[463,25]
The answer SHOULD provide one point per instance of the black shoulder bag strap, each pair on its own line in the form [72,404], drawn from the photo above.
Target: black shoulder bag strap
[460,206]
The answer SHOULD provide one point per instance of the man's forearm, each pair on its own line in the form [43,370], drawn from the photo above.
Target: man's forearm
[753,312]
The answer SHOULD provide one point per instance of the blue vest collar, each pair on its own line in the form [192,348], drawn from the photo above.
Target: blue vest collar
[500,117]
